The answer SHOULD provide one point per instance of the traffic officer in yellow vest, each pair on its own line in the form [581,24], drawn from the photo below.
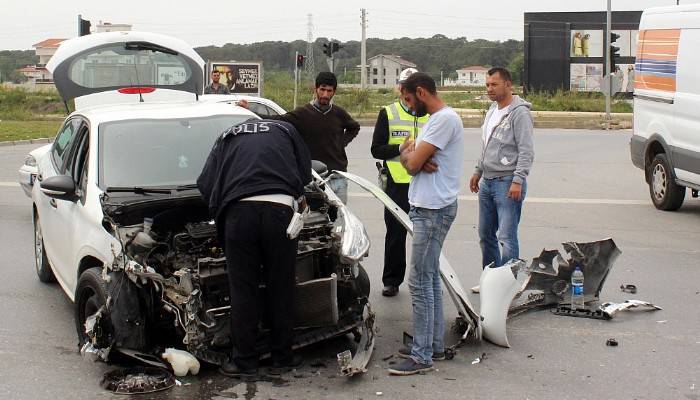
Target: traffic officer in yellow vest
[394,125]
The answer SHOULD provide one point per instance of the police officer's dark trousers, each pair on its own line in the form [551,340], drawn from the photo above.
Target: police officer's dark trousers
[395,240]
[258,250]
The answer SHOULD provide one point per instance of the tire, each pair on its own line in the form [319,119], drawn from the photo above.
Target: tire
[664,192]
[90,295]
[363,283]
[41,262]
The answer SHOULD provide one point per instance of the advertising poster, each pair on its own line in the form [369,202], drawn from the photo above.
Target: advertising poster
[589,78]
[239,77]
[624,75]
[586,77]
[586,43]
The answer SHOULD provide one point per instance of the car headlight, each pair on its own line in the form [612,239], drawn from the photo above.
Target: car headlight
[355,242]
[30,161]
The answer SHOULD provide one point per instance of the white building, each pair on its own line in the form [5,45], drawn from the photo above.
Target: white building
[384,70]
[38,74]
[46,49]
[110,27]
[471,76]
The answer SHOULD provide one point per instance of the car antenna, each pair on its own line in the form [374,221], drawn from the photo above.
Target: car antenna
[138,82]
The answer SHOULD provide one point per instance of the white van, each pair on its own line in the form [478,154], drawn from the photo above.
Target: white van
[666,139]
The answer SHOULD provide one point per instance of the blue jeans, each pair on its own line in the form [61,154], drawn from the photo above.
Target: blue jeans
[339,185]
[429,230]
[499,216]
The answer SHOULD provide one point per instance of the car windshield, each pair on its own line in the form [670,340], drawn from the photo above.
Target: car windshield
[158,152]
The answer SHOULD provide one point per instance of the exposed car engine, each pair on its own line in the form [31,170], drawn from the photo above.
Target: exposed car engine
[176,269]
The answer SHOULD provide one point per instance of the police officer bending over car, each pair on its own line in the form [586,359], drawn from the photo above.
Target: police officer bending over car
[252,181]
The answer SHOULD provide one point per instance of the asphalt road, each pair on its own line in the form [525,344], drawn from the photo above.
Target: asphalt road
[583,187]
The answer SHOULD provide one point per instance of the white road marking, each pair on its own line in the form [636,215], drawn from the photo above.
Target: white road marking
[9,184]
[549,200]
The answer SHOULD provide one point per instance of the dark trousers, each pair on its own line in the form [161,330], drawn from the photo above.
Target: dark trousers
[395,240]
[257,249]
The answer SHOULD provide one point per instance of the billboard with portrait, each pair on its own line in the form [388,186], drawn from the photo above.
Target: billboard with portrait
[239,77]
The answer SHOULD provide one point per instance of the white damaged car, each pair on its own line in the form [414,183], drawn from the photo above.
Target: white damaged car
[120,224]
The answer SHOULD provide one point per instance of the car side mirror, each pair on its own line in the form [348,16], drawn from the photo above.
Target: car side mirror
[59,187]
[319,166]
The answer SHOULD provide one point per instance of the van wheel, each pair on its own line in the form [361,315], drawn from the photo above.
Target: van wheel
[90,296]
[664,192]
[41,262]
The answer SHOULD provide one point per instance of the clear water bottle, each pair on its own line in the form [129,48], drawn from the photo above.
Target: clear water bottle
[577,289]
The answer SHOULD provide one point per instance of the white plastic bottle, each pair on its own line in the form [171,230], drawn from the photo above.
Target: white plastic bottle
[577,289]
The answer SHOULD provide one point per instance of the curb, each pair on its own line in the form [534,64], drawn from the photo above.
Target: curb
[26,141]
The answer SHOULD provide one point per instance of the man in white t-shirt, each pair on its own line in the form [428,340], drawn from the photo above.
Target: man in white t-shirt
[435,161]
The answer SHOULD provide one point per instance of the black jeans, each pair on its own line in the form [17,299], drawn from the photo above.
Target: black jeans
[257,249]
[395,240]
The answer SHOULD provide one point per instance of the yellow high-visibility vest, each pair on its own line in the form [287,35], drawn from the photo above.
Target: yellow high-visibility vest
[402,125]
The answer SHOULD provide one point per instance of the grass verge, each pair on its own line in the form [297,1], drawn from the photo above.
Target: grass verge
[22,130]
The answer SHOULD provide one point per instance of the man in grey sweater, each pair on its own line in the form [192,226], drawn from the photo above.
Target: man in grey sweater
[501,171]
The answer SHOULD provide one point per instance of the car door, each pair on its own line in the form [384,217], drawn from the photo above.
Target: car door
[73,213]
[48,209]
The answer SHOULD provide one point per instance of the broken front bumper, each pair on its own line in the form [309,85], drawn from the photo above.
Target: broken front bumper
[357,364]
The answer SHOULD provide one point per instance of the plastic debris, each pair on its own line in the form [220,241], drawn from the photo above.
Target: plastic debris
[610,309]
[181,361]
[138,380]
[612,342]
[628,288]
[479,359]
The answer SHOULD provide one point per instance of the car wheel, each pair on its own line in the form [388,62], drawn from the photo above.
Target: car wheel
[41,262]
[90,295]
[363,281]
[664,192]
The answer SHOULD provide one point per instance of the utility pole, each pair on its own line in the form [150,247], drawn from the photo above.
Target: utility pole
[442,81]
[363,51]
[309,66]
[608,73]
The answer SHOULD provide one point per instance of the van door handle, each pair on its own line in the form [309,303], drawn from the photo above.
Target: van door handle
[53,203]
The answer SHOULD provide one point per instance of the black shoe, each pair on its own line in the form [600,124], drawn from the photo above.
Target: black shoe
[390,291]
[405,352]
[280,367]
[409,367]
[230,369]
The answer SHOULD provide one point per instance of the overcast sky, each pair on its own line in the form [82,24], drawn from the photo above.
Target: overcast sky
[23,23]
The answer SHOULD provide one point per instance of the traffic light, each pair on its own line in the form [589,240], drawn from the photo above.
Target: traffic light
[83,26]
[330,48]
[614,51]
[300,60]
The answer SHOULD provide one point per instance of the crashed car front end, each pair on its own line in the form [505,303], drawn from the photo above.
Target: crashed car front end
[168,284]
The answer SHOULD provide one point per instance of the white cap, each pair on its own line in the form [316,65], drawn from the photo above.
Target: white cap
[406,73]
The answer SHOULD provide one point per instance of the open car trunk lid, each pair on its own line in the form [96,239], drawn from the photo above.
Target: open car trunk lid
[126,67]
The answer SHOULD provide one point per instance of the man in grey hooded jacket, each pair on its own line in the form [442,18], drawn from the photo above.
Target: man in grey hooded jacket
[501,171]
